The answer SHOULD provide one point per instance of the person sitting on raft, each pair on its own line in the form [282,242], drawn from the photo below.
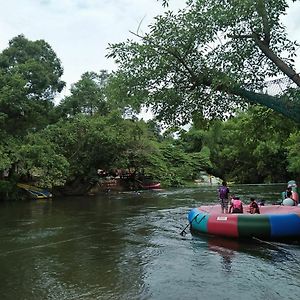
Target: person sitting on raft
[236,206]
[291,193]
[253,207]
[287,193]
[289,201]
[295,195]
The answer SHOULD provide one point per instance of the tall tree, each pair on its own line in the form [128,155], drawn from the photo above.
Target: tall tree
[212,56]
[251,148]
[29,80]
[87,95]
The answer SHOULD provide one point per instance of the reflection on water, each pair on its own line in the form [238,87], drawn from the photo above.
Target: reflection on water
[277,253]
[224,247]
[128,246]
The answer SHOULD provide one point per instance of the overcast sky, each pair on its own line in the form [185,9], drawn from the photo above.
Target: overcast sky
[79,30]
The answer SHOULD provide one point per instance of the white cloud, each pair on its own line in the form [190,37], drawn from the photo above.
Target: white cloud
[78,30]
[291,19]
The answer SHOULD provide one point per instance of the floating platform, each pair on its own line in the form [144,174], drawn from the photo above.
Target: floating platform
[275,222]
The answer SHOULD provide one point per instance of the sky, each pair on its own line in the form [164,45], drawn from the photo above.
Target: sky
[79,31]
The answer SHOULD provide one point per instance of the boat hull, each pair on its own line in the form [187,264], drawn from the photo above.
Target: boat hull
[35,192]
[274,223]
[151,186]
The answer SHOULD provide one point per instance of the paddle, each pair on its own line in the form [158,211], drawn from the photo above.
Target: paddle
[183,232]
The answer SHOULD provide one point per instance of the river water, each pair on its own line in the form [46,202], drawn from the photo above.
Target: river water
[128,246]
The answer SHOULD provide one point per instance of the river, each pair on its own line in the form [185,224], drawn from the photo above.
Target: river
[128,246]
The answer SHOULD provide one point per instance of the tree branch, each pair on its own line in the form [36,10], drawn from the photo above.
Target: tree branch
[204,79]
[261,10]
[241,36]
[274,103]
[277,60]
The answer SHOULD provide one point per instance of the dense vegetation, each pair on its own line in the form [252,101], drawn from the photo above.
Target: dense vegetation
[254,147]
[96,126]
[60,145]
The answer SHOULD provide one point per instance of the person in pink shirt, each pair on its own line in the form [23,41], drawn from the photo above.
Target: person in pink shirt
[236,206]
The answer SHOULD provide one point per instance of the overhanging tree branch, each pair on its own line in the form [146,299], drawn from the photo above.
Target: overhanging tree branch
[261,10]
[276,60]
[196,68]
[284,107]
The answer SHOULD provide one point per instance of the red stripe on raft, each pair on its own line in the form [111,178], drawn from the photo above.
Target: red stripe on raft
[225,225]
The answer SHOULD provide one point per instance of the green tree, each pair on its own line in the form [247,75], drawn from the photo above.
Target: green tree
[41,160]
[251,148]
[87,96]
[293,157]
[176,167]
[209,57]
[29,80]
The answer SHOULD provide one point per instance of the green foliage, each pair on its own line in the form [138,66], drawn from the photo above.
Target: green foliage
[8,190]
[193,139]
[171,165]
[39,158]
[251,147]
[293,147]
[95,127]
[92,142]
[154,130]
[29,79]
[87,96]
[5,161]
[36,63]
[201,58]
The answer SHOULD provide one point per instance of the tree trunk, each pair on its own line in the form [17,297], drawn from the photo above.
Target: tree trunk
[278,61]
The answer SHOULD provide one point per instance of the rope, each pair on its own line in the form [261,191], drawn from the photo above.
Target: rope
[47,245]
[183,232]
[198,222]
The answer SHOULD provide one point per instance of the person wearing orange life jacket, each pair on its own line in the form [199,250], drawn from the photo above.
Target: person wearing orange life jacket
[236,206]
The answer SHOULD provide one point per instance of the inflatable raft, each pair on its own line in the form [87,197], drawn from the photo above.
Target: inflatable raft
[275,222]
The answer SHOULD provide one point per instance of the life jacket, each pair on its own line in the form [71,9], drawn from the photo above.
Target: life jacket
[237,204]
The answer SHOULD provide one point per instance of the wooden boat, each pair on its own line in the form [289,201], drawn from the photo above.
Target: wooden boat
[150,186]
[275,222]
[35,192]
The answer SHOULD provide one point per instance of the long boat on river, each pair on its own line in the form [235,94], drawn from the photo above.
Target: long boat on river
[275,222]
[35,192]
